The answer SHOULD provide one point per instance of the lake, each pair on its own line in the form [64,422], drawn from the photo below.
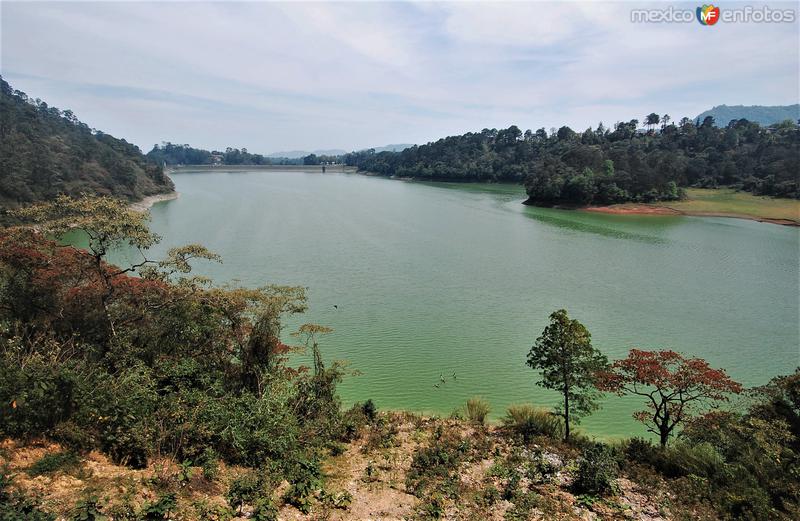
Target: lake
[420,280]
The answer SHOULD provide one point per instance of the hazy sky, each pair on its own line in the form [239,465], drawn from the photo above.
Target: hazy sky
[283,76]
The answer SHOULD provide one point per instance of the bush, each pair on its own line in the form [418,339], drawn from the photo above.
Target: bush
[528,421]
[264,509]
[159,509]
[244,489]
[65,461]
[306,480]
[642,451]
[684,459]
[477,409]
[16,507]
[434,465]
[597,471]
[370,410]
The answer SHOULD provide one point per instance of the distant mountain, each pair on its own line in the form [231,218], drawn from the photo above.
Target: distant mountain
[45,152]
[760,114]
[393,148]
[297,154]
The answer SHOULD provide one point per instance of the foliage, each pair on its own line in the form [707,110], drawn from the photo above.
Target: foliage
[159,364]
[14,506]
[528,421]
[175,154]
[306,479]
[245,489]
[45,152]
[597,470]
[741,465]
[568,363]
[54,462]
[88,509]
[477,408]
[159,509]
[606,166]
[433,466]
[675,387]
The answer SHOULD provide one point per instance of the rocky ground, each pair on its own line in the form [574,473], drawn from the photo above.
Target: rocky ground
[406,467]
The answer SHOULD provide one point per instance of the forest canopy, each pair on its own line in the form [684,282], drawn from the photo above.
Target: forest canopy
[606,166]
[45,151]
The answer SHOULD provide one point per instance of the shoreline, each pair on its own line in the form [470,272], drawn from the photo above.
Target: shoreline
[666,210]
[146,203]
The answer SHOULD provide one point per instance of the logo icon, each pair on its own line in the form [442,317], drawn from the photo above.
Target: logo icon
[708,14]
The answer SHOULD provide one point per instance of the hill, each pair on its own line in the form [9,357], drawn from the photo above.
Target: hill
[763,115]
[45,151]
[393,148]
[299,154]
[608,166]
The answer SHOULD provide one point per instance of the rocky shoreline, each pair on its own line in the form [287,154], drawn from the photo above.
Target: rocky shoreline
[145,204]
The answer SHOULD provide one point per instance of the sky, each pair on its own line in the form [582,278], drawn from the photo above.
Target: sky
[272,76]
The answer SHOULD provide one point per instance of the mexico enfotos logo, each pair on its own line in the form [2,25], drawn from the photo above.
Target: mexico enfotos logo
[709,15]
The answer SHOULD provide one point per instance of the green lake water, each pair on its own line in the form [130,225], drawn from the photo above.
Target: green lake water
[436,279]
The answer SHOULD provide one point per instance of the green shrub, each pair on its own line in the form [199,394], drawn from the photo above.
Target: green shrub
[370,410]
[528,421]
[264,509]
[212,511]
[159,509]
[684,459]
[65,461]
[477,410]
[209,464]
[433,466]
[244,489]
[597,471]
[341,500]
[87,509]
[306,479]
[641,451]
[14,506]
[433,507]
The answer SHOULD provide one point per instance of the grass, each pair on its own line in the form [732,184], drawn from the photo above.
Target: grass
[64,461]
[730,202]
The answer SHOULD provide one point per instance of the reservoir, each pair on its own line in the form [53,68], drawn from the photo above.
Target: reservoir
[425,281]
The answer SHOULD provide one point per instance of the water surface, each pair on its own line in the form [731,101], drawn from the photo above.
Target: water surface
[437,279]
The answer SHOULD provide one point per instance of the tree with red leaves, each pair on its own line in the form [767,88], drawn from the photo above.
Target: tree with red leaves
[675,387]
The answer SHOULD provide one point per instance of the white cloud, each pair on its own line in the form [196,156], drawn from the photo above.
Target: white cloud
[272,76]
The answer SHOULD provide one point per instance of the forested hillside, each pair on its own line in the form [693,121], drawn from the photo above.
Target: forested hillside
[173,154]
[604,166]
[45,151]
[763,115]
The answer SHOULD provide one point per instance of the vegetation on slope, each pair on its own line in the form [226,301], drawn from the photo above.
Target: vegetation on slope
[173,154]
[45,151]
[607,166]
[148,367]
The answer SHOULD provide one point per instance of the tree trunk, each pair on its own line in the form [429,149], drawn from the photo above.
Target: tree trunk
[566,415]
[664,429]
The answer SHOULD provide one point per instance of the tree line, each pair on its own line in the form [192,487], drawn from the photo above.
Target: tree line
[609,165]
[45,151]
[174,154]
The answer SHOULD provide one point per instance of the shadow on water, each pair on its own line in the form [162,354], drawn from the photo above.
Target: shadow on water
[592,223]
